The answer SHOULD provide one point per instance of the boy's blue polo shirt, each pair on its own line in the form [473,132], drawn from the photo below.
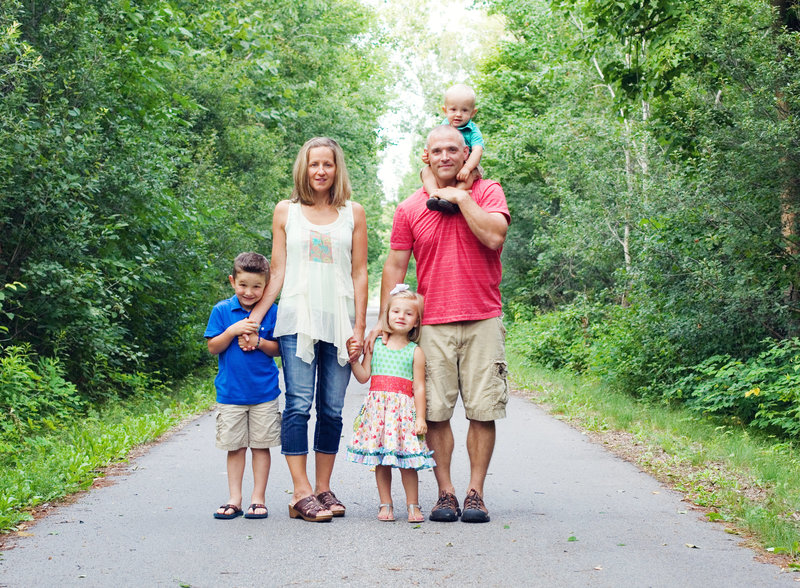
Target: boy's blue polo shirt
[244,377]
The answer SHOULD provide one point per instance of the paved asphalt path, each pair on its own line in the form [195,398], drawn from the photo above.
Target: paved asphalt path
[564,512]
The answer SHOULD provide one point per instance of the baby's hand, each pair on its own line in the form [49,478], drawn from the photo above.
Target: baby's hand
[246,345]
[463,174]
[420,426]
[425,159]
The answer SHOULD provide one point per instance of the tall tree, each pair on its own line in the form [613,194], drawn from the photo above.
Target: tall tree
[787,27]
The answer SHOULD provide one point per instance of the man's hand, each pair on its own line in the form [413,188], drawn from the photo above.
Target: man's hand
[369,341]
[452,194]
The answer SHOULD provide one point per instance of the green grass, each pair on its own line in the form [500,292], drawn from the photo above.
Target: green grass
[749,481]
[49,467]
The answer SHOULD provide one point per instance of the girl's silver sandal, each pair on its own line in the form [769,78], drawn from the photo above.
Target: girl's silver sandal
[390,507]
[418,519]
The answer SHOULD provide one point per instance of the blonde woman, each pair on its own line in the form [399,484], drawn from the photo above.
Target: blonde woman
[319,265]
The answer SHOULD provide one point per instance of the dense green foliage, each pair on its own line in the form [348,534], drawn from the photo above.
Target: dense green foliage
[35,396]
[142,146]
[650,152]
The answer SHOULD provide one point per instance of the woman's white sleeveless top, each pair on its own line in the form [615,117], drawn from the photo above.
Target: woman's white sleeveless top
[317,300]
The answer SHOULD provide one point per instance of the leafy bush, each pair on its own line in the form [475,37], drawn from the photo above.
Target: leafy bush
[763,392]
[629,351]
[610,341]
[621,347]
[34,396]
[556,340]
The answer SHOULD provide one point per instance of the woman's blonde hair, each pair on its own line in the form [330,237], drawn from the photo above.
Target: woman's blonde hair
[413,334]
[340,190]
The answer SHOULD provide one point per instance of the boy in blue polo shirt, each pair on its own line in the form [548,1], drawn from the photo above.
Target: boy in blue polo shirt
[247,385]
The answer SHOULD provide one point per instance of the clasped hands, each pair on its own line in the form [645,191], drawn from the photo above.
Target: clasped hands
[246,331]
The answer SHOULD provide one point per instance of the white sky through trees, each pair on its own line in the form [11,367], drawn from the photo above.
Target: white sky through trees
[433,45]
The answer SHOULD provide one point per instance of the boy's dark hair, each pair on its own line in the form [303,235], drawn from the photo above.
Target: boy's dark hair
[252,263]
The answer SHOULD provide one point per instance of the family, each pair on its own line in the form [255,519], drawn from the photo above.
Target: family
[429,348]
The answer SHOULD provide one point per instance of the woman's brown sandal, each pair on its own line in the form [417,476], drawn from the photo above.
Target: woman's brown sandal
[309,509]
[328,500]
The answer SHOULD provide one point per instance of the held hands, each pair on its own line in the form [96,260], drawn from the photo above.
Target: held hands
[243,326]
[244,330]
[420,426]
[354,349]
[247,344]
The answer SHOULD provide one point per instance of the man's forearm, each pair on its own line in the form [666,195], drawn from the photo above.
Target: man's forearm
[489,227]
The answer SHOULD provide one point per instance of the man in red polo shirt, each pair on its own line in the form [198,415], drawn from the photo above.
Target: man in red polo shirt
[458,273]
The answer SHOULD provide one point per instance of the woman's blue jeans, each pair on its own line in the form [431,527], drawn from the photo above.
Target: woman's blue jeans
[331,382]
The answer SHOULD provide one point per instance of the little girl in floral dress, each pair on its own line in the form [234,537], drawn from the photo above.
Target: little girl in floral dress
[389,431]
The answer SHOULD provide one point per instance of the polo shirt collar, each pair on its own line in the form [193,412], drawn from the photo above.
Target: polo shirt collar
[236,305]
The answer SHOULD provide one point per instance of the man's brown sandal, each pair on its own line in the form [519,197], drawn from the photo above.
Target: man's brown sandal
[309,509]
[474,509]
[328,500]
[446,509]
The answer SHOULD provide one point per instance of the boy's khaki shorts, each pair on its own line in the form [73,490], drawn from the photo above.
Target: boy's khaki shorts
[466,358]
[257,426]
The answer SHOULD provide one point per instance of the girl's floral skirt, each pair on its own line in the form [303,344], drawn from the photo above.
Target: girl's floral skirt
[383,433]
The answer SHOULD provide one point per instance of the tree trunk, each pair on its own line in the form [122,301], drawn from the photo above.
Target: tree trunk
[790,194]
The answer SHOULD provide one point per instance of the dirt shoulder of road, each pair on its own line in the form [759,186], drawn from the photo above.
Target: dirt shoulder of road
[658,463]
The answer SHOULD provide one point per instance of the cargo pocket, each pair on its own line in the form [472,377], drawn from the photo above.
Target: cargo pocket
[218,427]
[501,382]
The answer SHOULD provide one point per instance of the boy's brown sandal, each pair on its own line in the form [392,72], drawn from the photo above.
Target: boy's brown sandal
[252,514]
[329,500]
[237,512]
